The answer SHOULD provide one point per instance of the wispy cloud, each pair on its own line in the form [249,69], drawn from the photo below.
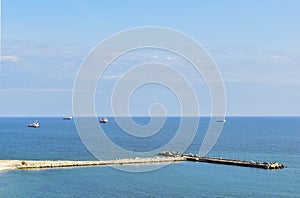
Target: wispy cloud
[257,64]
[32,64]
[14,90]
[108,77]
[10,58]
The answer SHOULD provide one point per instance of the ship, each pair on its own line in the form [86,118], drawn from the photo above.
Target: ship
[67,118]
[103,120]
[35,124]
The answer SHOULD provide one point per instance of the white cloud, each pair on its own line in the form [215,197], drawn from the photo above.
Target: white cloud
[9,59]
[111,76]
[15,90]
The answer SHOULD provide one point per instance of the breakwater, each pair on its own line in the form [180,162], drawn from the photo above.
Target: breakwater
[197,158]
[43,164]
[164,157]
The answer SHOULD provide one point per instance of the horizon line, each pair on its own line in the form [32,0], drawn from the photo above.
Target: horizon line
[111,116]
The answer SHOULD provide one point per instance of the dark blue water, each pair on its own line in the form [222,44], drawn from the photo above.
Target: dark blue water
[253,138]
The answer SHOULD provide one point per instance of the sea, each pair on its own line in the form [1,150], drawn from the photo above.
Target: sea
[244,138]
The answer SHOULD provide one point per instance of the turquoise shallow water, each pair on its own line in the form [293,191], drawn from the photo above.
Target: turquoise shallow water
[253,138]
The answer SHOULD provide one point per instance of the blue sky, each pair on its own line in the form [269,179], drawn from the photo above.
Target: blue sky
[255,44]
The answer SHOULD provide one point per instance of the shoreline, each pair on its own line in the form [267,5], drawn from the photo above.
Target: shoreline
[7,165]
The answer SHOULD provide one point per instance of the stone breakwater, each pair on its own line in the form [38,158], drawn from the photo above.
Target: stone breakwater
[41,164]
[197,158]
[164,157]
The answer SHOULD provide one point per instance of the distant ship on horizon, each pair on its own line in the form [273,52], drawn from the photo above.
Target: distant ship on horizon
[67,118]
[35,124]
[103,120]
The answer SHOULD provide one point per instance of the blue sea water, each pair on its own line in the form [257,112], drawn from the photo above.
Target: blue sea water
[248,138]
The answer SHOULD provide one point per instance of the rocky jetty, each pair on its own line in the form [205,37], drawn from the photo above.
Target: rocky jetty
[163,157]
[41,164]
[191,157]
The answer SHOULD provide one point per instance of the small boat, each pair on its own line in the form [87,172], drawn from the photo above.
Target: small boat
[67,118]
[34,125]
[103,120]
[221,120]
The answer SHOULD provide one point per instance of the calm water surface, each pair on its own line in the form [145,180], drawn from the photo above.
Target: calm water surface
[249,138]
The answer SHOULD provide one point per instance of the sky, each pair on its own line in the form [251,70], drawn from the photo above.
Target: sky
[255,44]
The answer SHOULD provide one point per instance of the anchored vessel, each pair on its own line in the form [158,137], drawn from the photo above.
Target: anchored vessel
[35,124]
[103,120]
[67,118]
